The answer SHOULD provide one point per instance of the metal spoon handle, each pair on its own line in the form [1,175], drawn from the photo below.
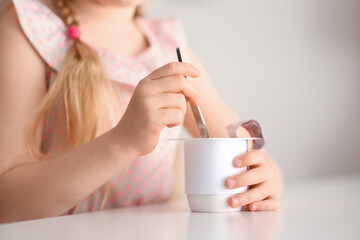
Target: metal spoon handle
[199,119]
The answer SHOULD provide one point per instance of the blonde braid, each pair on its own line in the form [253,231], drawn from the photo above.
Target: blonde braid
[67,13]
[79,89]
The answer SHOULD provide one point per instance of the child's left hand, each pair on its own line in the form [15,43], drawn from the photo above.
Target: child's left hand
[262,179]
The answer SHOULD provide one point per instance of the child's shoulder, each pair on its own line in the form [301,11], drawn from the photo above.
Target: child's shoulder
[16,52]
[10,27]
[44,30]
[7,12]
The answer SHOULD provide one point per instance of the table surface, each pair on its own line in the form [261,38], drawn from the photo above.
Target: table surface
[317,209]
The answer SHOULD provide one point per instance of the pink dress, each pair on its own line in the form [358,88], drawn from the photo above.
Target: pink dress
[149,178]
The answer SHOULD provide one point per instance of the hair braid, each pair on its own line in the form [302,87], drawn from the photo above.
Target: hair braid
[78,89]
[67,13]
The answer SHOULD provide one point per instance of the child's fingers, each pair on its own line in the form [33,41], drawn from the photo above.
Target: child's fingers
[175,68]
[250,177]
[170,117]
[172,100]
[255,194]
[177,84]
[249,158]
[269,204]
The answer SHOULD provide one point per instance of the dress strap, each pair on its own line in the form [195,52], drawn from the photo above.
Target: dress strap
[170,34]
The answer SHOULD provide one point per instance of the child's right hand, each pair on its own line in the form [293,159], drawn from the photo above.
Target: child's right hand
[159,101]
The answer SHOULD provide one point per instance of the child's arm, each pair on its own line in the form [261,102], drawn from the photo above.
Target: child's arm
[264,173]
[31,189]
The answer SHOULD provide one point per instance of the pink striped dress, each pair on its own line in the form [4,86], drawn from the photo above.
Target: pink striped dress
[149,178]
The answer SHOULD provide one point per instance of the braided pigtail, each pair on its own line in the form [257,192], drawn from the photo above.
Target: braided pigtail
[83,77]
[78,88]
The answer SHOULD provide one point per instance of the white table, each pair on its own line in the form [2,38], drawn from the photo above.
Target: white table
[321,209]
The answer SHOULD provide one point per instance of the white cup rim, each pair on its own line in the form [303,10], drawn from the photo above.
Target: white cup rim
[212,139]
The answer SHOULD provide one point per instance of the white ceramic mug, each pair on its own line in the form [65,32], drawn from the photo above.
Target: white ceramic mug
[208,163]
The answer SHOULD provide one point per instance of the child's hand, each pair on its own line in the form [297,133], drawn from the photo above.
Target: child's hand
[262,179]
[159,100]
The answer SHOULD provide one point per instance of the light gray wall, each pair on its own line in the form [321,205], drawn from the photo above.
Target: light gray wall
[294,65]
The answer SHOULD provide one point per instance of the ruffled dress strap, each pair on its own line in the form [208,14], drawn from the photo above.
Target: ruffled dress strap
[170,34]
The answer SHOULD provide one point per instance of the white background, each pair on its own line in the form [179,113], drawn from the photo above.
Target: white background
[294,65]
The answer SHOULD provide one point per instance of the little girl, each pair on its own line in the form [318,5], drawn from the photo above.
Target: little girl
[90,93]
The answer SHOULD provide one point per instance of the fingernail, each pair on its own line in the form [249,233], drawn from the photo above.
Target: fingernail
[237,162]
[231,182]
[234,202]
[254,208]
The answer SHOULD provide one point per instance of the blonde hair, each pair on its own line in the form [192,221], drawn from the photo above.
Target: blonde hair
[78,89]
